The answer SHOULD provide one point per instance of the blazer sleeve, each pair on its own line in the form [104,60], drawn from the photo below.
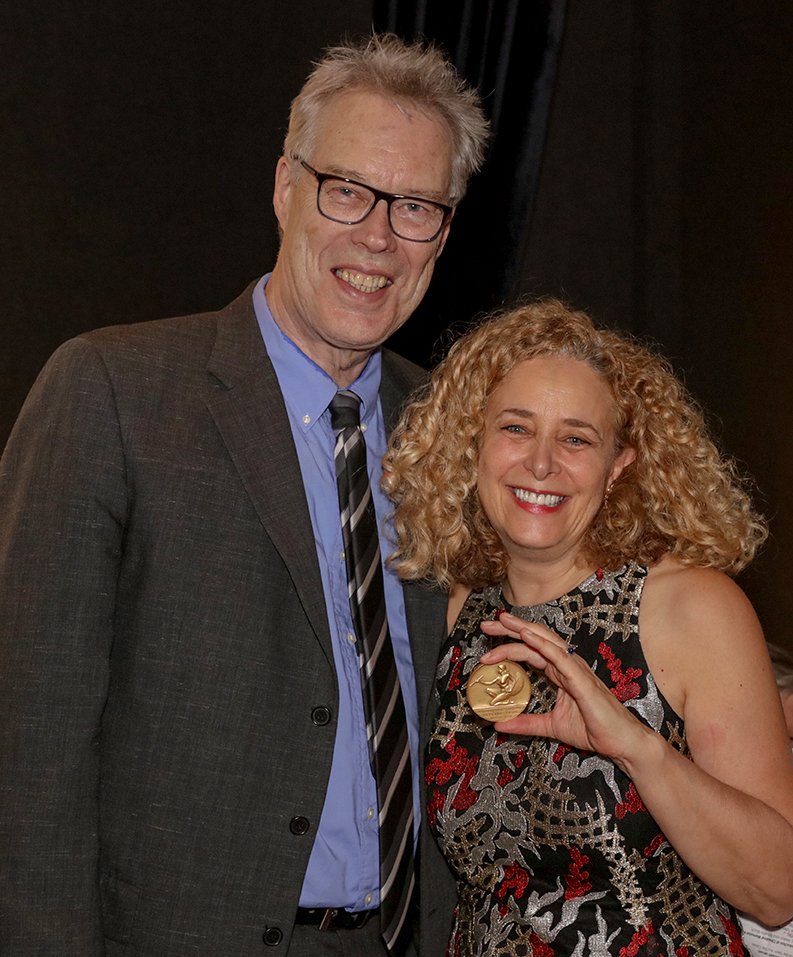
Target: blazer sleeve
[63,504]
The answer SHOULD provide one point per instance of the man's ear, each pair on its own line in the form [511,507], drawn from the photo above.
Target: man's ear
[282,189]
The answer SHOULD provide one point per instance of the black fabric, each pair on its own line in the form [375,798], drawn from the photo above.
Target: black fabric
[509,51]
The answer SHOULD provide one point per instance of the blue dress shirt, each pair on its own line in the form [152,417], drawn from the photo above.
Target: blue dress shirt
[343,870]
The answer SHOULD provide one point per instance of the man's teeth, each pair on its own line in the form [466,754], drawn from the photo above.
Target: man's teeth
[534,498]
[360,281]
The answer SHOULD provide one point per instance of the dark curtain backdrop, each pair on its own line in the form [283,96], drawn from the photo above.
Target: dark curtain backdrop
[509,50]
[138,141]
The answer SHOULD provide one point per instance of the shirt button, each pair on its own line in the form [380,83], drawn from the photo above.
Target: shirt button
[368,899]
[363,426]
[306,419]
[351,637]
[341,555]
[370,814]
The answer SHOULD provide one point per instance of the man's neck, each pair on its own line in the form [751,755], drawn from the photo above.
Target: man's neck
[344,366]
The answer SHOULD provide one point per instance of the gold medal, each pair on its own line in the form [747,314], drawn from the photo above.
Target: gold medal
[498,692]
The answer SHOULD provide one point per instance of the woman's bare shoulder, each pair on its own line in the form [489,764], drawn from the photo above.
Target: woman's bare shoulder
[690,595]
[695,624]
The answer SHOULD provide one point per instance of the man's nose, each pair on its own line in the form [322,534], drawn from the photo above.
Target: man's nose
[375,231]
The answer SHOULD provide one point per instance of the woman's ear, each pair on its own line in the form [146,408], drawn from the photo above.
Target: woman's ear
[626,456]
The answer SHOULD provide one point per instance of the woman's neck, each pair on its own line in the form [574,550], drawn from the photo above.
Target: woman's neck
[533,583]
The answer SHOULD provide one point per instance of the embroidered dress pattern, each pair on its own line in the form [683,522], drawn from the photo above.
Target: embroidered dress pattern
[554,851]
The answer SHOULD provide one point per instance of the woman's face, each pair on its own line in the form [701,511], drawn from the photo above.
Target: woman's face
[547,456]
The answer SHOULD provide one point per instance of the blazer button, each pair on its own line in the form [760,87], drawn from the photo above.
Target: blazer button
[272,936]
[299,825]
[320,716]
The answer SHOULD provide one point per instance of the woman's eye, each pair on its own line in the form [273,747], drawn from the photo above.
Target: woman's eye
[577,440]
[515,429]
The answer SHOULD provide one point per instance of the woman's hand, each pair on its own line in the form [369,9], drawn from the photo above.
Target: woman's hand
[586,714]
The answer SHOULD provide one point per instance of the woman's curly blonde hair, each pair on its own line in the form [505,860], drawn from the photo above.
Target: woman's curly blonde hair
[679,496]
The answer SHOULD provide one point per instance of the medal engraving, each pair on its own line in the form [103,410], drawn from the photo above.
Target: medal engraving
[498,692]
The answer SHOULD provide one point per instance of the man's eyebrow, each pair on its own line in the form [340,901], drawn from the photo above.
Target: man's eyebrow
[344,173]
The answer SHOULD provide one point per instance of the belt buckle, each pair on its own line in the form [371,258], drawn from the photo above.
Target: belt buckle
[327,917]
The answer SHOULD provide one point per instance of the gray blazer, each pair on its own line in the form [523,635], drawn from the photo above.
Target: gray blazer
[167,688]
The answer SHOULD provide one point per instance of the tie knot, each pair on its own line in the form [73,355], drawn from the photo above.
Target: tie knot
[345,411]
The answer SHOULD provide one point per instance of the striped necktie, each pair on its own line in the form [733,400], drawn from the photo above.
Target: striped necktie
[384,710]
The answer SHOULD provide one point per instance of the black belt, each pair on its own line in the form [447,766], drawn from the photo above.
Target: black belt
[334,918]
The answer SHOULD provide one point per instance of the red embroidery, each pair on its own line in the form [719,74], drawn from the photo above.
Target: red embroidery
[559,753]
[459,763]
[515,880]
[624,687]
[736,944]
[654,845]
[505,777]
[682,952]
[638,940]
[632,804]
[436,803]
[599,574]
[501,738]
[576,880]
[538,947]
[520,757]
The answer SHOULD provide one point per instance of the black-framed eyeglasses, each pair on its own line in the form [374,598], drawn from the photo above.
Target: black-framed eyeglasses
[349,202]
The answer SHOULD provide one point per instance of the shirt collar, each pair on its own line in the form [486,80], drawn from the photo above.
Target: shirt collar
[307,389]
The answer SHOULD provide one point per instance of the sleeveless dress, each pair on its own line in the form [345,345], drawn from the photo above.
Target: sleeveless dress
[553,850]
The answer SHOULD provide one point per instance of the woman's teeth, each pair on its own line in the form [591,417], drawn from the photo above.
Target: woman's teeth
[535,498]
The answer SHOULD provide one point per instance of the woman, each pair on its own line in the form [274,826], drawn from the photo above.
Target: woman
[559,481]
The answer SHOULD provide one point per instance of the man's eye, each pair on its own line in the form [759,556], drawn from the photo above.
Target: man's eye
[341,193]
[413,209]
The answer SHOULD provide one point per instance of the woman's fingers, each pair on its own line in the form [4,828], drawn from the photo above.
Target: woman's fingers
[537,645]
[510,626]
[586,714]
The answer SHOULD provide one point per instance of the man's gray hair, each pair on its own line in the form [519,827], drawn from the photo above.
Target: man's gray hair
[414,75]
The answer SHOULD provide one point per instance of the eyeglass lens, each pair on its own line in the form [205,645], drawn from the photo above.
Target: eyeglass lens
[350,203]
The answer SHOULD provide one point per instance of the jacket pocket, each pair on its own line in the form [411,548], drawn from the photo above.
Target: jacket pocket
[119,906]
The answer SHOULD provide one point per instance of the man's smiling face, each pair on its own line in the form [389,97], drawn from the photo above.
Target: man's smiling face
[339,291]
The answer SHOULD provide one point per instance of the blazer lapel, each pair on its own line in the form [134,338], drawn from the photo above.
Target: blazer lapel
[251,417]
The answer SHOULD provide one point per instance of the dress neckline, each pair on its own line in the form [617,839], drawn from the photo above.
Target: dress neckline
[494,594]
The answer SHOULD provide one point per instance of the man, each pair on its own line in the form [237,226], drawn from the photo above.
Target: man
[184,763]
